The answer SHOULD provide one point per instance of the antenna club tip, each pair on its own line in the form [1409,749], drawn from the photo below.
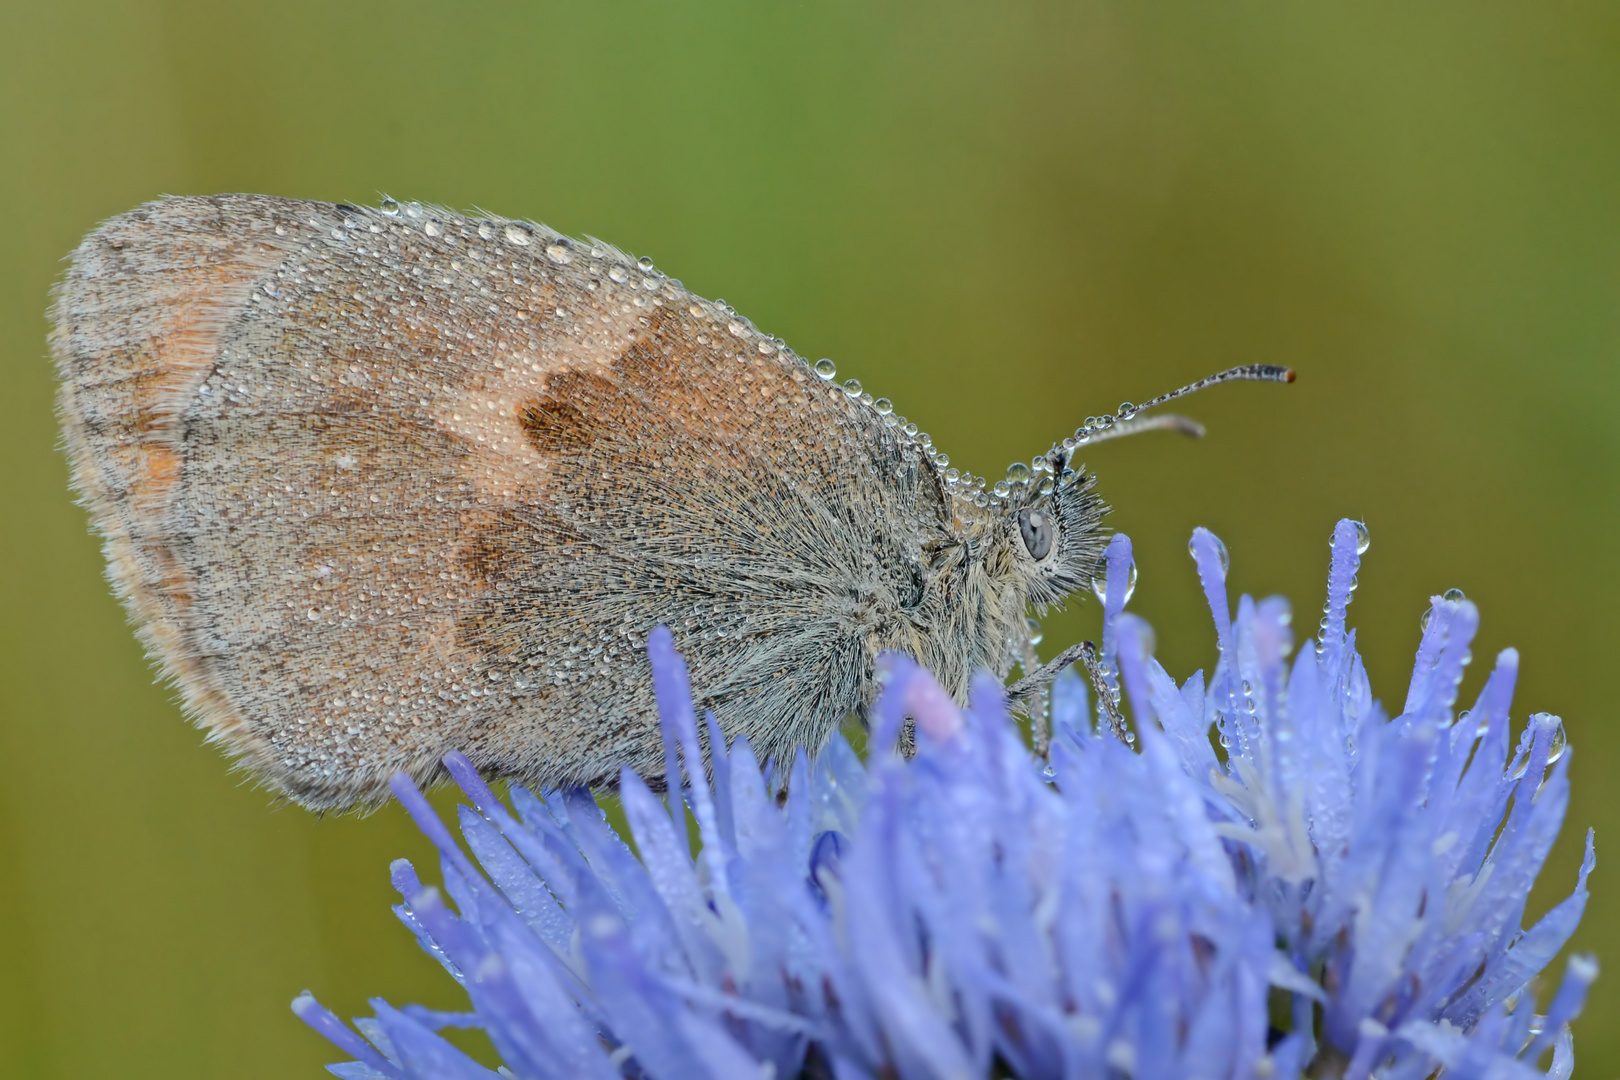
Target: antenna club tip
[1288,375]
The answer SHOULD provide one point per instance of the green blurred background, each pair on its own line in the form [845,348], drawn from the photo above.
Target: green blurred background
[1003,216]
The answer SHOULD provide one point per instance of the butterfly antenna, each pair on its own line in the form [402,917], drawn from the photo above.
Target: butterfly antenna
[1129,421]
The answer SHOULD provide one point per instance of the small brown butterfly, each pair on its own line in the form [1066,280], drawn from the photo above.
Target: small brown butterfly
[380,483]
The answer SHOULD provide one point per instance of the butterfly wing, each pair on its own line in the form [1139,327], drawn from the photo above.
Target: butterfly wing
[378,485]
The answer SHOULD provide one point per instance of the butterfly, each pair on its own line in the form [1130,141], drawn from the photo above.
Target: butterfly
[379,483]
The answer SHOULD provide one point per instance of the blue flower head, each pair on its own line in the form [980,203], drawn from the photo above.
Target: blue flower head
[1320,889]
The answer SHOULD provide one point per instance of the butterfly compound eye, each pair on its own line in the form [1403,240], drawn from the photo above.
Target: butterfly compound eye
[1036,525]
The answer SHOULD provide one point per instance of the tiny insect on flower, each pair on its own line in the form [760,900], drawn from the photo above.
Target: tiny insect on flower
[1327,891]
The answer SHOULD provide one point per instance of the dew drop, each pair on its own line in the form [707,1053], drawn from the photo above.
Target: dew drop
[433,228]
[1047,485]
[413,209]
[1099,582]
[884,406]
[867,399]
[390,207]
[1363,537]
[826,368]
[645,262]
[910,429]
[517,234]
[619,274]
[852,388]
[558,253]
[1002,489]
[981,500]
[1454,595]
[281,230]
[1126,410]
[1425,619]
[1018,472]
[1034,628]
[486,231]
[951,475]
[1560,742]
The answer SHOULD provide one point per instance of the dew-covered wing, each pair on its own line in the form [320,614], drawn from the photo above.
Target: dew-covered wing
[432,479]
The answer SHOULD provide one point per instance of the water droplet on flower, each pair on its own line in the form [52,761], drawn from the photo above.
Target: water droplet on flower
[1047,485]
[558,253]
[826,368]
[1454,595]
[389,207]
[619,274]
[486,231]
[1034,629]
[1560,742]
[852,388]
[1425,619]
[645,262]
[433,228]
[1002,489]
[1018,472]
[1363,537]
[884,406]
[517,234]
[1099,582]
[1126,410]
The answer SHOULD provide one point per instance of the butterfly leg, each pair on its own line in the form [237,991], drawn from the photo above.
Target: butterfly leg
[1085,653]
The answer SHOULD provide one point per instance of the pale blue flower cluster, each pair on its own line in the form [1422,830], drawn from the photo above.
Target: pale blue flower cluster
[1319,891]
